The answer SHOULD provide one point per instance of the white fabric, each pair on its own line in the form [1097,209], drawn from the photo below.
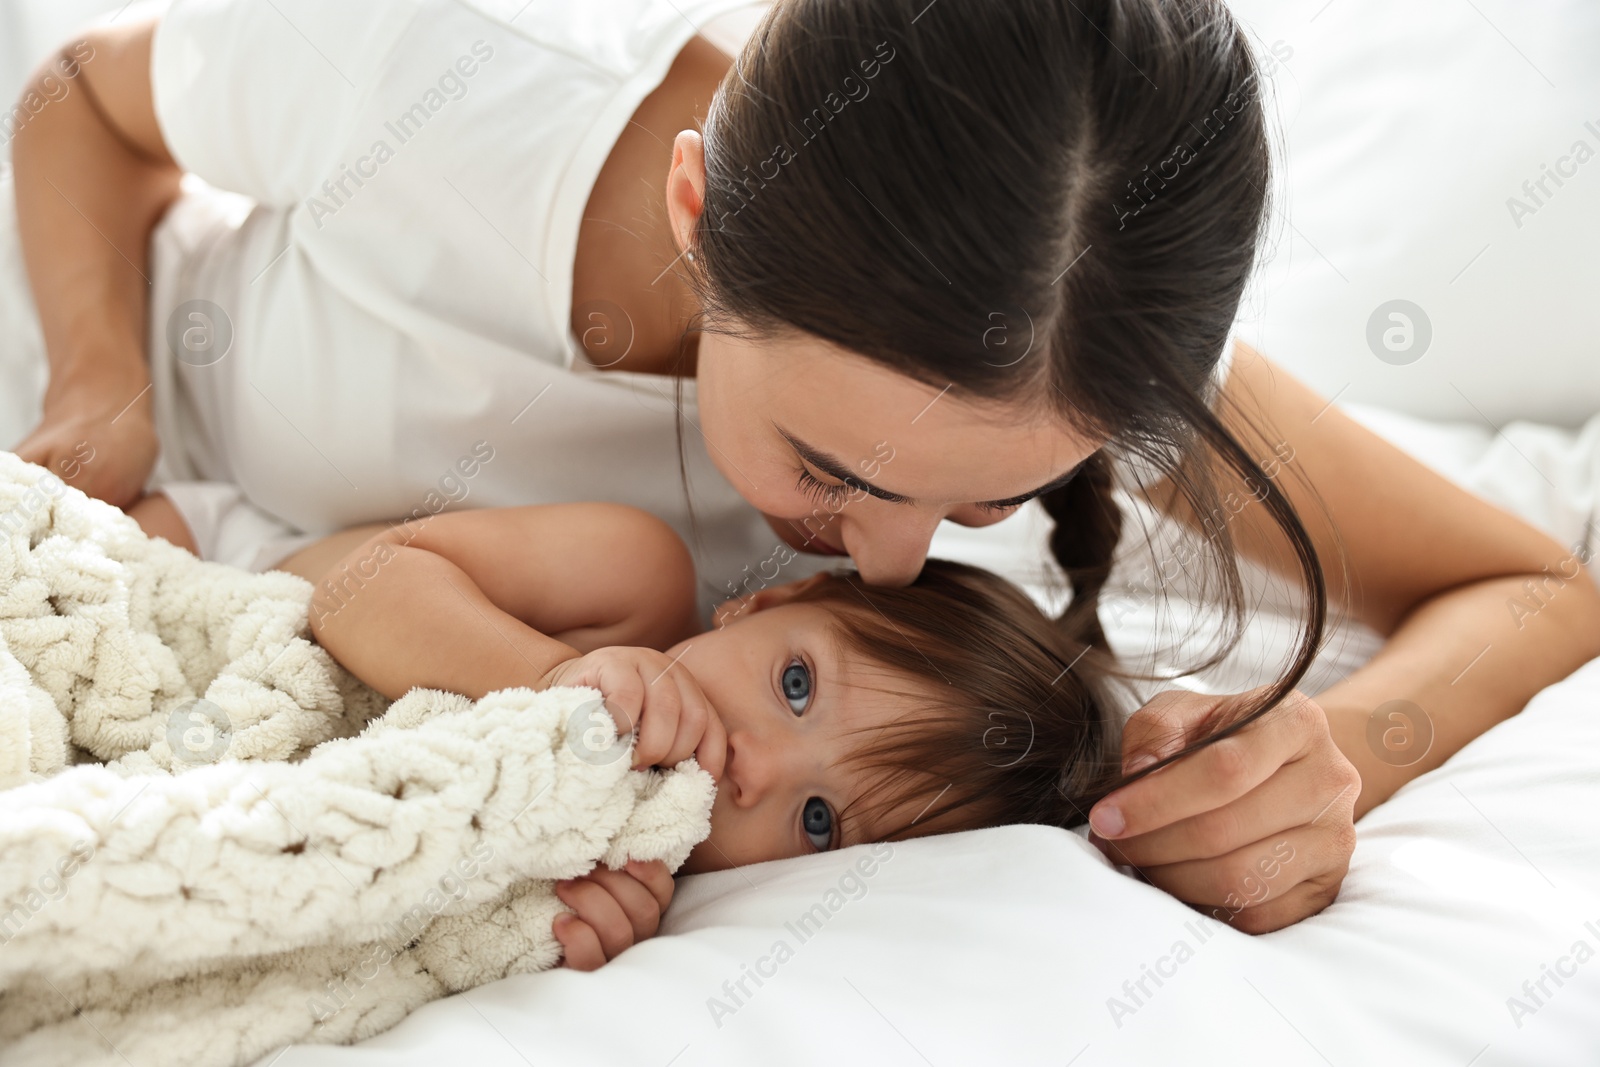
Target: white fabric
[1009,945]
[227,529]
[1407,132]
[1547,475]
[429,313]
[380,330]
[204,895]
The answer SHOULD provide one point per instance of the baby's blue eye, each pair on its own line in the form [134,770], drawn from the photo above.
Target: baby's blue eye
[796,684]
[817,820]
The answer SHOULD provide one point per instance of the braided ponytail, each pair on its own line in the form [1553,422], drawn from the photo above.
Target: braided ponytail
[1088,525]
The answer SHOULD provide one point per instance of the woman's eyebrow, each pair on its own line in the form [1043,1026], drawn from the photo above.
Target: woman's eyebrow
[833,467]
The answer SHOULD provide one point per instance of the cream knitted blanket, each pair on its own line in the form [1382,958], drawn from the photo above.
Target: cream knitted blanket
[214,841]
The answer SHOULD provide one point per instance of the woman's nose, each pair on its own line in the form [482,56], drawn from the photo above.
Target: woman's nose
[890,549]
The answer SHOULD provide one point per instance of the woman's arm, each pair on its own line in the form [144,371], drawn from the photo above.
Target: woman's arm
[93,176]
[1258,827]
[1422,561]
[475,601]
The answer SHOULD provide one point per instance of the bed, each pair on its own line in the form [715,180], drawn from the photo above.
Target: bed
[1468,930]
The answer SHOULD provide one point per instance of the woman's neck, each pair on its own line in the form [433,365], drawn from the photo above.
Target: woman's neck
[630,307]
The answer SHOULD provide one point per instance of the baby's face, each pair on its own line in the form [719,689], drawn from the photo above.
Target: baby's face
[790,698]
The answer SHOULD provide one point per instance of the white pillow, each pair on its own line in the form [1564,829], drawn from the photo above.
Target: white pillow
[1410,129]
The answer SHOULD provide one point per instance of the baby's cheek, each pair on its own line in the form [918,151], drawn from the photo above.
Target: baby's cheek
[716,851]
[705,857]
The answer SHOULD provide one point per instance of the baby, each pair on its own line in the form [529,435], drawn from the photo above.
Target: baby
[830,712]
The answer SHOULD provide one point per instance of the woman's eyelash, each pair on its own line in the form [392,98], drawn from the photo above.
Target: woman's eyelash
[834,496]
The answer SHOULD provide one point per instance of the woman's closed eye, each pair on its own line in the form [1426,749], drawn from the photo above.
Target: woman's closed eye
[796,685]
[831,495]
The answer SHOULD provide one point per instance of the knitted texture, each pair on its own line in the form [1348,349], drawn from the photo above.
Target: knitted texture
[214,841]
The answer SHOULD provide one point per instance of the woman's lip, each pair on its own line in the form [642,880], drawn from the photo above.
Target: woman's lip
[821,547]
[812,543]
[795,535]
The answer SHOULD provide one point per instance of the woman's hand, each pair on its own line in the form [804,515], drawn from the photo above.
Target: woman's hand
[97,440]
[612,911]
[647,689]
[1255,830]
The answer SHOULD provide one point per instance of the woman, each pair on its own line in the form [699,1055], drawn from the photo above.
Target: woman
[923,261]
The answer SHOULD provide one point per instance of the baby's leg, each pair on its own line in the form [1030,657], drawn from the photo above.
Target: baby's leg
[315,560]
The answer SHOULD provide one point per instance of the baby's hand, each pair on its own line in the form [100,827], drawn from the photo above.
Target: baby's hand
[645,688]
[615,910]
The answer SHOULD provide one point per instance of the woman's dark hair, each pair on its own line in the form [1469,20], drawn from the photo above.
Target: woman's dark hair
[1015,719]
[1083,180]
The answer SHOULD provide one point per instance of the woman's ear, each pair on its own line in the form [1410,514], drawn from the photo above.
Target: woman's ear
[686,186]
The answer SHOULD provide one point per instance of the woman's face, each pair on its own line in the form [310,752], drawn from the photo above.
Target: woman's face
[789,421]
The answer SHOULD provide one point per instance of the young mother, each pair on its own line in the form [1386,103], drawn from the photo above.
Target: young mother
[923,262]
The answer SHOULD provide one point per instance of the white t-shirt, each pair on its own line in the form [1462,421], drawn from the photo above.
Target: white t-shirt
[378,325]
[383,325]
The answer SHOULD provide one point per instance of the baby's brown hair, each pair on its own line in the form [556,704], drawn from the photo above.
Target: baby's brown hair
[1020,723]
